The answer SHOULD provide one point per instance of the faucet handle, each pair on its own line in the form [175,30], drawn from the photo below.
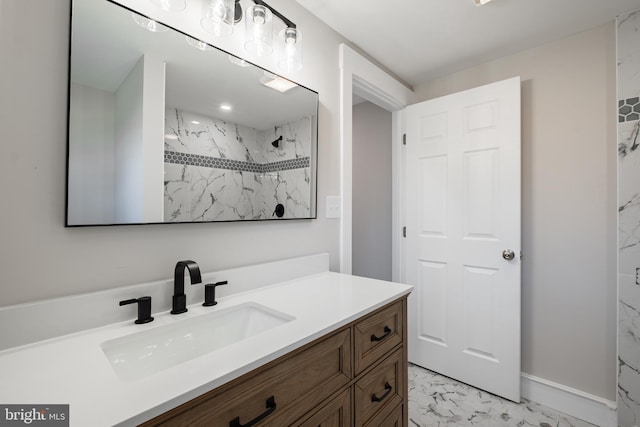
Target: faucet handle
[210,293]
[144,308]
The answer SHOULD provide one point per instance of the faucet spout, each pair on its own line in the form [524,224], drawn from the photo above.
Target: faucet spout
[179,298]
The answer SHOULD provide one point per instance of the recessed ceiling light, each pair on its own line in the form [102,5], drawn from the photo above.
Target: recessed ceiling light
[277,83]
[225,107]
[481,2]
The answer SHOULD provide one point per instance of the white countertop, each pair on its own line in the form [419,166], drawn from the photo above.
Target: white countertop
[74,370]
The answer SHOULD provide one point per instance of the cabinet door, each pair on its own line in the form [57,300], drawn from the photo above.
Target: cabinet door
[336,413]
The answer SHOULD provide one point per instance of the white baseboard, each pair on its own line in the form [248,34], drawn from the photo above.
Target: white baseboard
[585,406]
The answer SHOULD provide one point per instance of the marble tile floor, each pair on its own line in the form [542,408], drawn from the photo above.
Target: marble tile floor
[437,401]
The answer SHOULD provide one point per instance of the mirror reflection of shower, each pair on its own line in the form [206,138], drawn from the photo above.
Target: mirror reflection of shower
[217,170]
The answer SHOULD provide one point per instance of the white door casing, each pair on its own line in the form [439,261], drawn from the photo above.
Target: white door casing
[462,181]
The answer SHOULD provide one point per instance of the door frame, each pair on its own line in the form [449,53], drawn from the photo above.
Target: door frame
[360,76]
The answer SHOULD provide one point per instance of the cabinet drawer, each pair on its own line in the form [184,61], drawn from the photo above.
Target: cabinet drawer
[376,335]
[336,413]
[380,389]
[275,396]
[394,419]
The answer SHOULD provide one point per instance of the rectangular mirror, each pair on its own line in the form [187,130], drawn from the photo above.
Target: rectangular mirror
[166,129]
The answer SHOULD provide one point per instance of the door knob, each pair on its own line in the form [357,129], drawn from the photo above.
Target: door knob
[508,254]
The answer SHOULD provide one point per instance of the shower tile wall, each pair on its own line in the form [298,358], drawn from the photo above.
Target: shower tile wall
[628,36]
[221,171]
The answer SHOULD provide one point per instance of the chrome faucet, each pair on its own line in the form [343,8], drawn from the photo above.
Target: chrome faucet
[179,298]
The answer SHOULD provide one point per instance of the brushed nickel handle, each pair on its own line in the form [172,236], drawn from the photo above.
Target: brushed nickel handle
[508,254]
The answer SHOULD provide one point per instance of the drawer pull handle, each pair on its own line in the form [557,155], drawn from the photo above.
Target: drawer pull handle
[388,389]
[387,331]
[271,406]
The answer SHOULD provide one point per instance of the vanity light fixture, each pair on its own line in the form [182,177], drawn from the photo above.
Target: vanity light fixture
[200,45]
[149,24]
[220,16]
[170,5]
[238,61]
[290,50]
[258,36]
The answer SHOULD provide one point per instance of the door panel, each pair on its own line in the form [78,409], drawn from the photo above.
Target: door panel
[433,176]
[462,191]
[433,282]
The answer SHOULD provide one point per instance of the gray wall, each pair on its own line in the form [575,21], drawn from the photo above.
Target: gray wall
[568,204]
[40,259]
[371,229]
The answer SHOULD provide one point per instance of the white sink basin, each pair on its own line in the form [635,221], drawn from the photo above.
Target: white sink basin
[144,353]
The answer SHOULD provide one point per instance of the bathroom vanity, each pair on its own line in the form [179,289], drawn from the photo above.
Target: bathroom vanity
[356,375]
[320,348]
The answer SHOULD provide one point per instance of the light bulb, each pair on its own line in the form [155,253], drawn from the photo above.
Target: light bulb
[290,50]
[217,16]
[258,30]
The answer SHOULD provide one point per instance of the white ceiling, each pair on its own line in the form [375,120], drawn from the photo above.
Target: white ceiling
[419,40]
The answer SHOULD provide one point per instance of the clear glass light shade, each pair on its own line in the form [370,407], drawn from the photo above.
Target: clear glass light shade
[259,30]
[238,61]
[217,16]
[290,50]
[170,5]
[149,24]
[200,45]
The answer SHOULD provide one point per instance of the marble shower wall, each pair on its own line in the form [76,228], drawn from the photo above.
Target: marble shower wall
[628,36]
[221,171]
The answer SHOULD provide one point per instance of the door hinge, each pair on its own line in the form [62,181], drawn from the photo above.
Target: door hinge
[404,139]
[404,232]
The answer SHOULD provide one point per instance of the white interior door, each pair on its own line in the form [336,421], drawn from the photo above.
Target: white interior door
[463,217]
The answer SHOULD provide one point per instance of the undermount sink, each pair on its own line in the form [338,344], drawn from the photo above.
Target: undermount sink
[144,353]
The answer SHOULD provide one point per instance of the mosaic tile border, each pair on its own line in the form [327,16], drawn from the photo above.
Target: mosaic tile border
[628,110]
[218,163]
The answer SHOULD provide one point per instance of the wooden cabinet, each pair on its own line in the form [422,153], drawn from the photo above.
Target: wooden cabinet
[356,375]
